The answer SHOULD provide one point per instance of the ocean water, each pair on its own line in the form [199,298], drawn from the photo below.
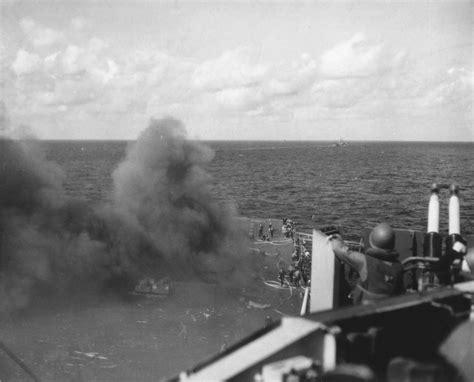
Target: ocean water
[315,183]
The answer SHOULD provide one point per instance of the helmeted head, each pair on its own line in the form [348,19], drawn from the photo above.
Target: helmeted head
[382,237]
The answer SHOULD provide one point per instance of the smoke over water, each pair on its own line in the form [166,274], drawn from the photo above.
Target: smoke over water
[162,220]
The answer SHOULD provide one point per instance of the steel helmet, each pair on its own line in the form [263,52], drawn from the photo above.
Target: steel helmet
[382,237]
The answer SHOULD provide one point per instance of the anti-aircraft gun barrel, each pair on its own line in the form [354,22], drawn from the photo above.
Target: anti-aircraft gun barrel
[433,210]
[454,214]
[432,240]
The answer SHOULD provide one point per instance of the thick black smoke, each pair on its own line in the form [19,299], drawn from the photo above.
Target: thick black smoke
[162,221]
[163,189]
[43,240]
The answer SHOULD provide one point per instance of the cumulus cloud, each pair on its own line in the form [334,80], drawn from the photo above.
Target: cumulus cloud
[342,93]
[357,76]
[450,88]
[293,78]
[38,35]
[68,92]
[236,83]
[243,98]
[149,68]
[232,69]
[357,57]
[75,75]
[90,59]
[26,63]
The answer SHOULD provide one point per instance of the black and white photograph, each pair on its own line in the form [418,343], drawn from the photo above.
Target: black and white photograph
[262,191]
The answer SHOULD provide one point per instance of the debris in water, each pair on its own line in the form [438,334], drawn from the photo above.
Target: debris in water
[90,354]
[283,314]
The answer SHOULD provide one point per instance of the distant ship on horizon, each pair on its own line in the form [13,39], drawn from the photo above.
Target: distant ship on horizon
[340,143]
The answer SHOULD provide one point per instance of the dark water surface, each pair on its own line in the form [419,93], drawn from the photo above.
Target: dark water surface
[355,186]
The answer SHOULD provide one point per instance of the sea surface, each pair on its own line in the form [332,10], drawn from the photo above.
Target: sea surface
[315,183]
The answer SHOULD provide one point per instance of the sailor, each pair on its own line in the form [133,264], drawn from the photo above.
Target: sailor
[270,230]
[292,376]
[305,267]
[290,228]
[291,271]
[456,252]
[303,246]
[380,271]
[295,259]
[296,277]
[313,372]
[281,276]
[268,321]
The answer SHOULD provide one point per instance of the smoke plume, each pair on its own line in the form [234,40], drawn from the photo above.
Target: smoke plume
[163,189]
[162,220]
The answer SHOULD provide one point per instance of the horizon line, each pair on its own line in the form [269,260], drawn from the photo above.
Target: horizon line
[238,140]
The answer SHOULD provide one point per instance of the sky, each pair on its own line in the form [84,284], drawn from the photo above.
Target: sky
[242,70]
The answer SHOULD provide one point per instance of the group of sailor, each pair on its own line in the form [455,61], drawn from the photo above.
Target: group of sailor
[379,270]
[299,271]
[265,236]
[288,228]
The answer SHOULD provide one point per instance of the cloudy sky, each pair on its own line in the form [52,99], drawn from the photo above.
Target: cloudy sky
[239,70]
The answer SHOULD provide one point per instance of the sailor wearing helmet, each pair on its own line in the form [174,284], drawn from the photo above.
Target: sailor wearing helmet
[380,271]
[305,267]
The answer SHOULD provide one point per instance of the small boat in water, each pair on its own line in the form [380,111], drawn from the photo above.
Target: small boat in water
[149,287]
[340,143]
